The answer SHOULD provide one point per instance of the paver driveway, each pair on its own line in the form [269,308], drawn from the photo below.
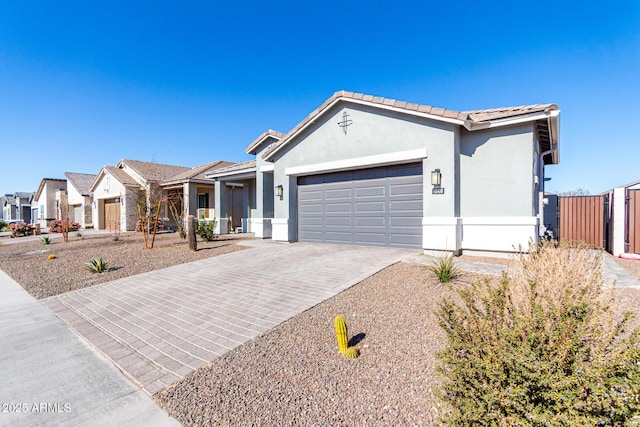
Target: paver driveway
[159,326]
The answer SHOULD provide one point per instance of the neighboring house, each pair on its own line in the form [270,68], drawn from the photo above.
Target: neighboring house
[235,197]
[79,197]
[373,171]
[23,205]
[241,207]
[47,200]
[9,212]
[192,190]
[117,189]
[17,206]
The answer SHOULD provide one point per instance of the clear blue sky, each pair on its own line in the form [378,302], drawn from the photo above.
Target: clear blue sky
[85,84]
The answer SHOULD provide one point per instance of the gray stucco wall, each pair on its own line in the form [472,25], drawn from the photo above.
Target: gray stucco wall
[372,132]
[496,172]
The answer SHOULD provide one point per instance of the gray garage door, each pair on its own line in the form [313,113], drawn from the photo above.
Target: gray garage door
[376,207]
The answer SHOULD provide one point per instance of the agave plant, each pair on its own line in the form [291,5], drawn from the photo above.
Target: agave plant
[444,268]
[45,240]
[97,265]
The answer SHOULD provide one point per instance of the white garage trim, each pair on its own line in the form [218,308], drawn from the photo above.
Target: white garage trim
[359,162]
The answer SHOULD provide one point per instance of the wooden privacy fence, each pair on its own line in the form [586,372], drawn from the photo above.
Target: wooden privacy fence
[584,218]
[632,229]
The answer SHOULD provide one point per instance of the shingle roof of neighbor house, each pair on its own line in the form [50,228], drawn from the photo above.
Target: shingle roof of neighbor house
[81,181]
[153,171]
[22,194]
[118,174]
[251,149]
[233,169]
[197,173]
[473,119]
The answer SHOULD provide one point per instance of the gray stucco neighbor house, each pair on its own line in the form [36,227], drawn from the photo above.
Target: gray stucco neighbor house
[368,170]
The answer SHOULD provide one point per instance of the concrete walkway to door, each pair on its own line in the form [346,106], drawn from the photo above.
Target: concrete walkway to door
[159,326]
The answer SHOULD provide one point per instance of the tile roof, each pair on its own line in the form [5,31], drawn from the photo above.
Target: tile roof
[459,117]
[198,172]
[154,171]
[22,194]
[251,149]
[120,175]
[81,181]
[236,167]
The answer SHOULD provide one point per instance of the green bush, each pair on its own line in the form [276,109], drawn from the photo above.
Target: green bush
[539,348]
[444,268]
[2,225]
[97,265]
[206,229]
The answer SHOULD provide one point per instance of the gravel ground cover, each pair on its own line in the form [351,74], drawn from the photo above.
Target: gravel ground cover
[294,375]
[28,264]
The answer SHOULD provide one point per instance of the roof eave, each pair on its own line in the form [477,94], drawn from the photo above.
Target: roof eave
[234,173]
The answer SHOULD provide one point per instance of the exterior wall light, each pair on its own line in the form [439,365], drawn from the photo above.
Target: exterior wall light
[436,178]
[279,191]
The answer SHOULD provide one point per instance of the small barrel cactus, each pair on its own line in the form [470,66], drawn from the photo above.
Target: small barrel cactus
[341,333]
[352,352]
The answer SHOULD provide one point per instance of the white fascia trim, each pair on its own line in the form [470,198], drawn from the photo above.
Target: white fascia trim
[501,220]
[359,162]
[508,121]
[267,168]
[369,104]
[231,174]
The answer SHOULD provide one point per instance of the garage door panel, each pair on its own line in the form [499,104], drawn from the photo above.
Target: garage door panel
[311,221]
[309,196]
[373,191]
[378,206]
[370,238]
[371,221]
[338,207]
[310,209]
[405,240]
[405,205]
[338,237]
[338,194]
[408,221]
[370,206]
[411,189]
[337,221]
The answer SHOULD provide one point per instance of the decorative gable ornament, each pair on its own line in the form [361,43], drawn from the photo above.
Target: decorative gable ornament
[345,122]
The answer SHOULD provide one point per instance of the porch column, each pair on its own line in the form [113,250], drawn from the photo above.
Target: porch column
[221,207]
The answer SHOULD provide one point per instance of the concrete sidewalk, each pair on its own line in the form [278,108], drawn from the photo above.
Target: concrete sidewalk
[50,376]
[160,326]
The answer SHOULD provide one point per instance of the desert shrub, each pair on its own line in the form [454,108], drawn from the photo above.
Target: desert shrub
[206,229]
[444,268]
[539,348]
[56,226]
[140,224]
[2,225]
[20,229]
[97,265]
